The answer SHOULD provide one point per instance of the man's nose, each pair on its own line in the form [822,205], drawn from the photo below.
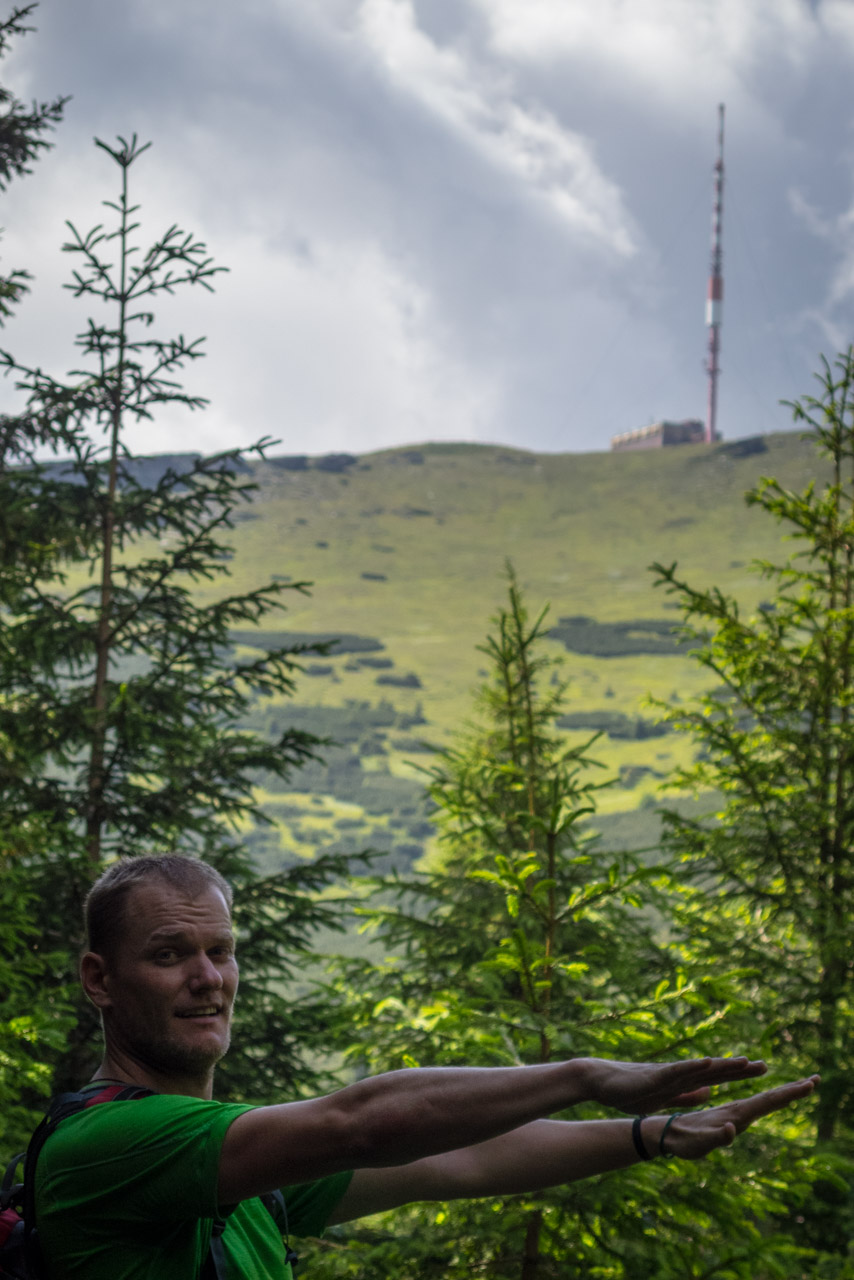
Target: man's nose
[205,974]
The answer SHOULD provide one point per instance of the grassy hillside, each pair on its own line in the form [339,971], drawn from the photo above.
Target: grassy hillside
[405,549]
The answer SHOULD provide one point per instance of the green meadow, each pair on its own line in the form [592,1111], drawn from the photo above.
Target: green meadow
[405,550]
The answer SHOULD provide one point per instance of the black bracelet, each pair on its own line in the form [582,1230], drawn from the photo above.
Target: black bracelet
[667,1125]
[638,1140]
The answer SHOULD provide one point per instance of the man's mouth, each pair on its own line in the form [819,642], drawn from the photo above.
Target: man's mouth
[207,1011]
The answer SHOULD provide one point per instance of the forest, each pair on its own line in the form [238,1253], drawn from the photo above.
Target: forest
[138,716]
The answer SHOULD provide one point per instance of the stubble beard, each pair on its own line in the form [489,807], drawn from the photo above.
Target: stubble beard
[170,1057]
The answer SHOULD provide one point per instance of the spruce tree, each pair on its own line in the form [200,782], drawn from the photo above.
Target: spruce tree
[123,721]
[22,140]
[529,941]
[771,861]
[32,1020]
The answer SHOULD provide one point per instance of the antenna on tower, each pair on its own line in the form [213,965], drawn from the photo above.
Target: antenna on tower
[714,300]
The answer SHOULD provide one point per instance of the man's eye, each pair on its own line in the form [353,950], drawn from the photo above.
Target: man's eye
[165,955]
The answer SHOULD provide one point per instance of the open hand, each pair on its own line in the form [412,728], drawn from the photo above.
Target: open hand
[694,1135]
[643,1087]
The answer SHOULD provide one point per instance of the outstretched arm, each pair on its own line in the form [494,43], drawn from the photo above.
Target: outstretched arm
[403,1116]
[549,1153]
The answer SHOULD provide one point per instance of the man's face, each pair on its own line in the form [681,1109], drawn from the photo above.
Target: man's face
[172,983]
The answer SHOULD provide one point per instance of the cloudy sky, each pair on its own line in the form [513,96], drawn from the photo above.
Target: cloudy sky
[479,220]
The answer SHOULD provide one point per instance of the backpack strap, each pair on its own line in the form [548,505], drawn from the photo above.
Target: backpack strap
[66,1104]
[215,1266]
[10,1187]
[274,1203]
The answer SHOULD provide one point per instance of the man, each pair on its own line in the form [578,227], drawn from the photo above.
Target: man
[133,1188]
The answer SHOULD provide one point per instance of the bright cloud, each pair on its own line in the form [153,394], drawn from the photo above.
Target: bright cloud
[554,166]
[355,347]
[670,48]
[837,17]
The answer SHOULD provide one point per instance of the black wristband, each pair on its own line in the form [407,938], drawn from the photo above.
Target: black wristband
[638,1140]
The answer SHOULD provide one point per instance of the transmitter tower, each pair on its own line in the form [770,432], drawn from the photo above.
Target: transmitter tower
[714,299]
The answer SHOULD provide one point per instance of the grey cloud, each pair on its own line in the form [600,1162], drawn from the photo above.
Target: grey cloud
[282,133]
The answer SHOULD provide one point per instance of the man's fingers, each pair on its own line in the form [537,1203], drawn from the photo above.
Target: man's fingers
[696,1133]
[739,1115]
[762,1104]
[711,1070]
[687,1083]
[736,1068]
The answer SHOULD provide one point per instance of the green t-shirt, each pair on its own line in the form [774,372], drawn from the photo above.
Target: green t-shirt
[127,1191]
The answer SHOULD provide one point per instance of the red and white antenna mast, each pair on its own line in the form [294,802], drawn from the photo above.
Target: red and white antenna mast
[714,301]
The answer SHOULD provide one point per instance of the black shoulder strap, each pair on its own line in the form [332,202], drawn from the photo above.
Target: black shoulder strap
[66,1104]
[274,1203]
[11,1187]
[215,1266]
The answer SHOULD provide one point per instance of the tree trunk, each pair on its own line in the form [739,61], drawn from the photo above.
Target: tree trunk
[531,1259]
[829,1097]
[104,639]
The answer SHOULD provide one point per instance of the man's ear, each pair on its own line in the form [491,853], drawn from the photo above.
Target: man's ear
[95,980]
